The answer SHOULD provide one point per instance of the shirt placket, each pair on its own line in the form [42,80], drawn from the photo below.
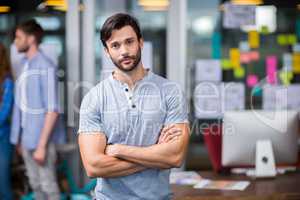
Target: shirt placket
[24,95]
[132,112]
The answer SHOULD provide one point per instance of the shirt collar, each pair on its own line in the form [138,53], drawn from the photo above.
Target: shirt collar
[145,78]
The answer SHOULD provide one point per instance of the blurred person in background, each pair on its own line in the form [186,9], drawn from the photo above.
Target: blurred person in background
[6,103]
[35,113]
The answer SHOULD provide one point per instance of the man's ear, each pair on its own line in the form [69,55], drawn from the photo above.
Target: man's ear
[141,43]
[31,40]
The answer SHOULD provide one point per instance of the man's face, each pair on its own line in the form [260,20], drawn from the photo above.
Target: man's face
[21,41]
[124,49]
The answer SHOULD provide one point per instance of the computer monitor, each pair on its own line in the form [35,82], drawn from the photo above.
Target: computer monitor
[242,130]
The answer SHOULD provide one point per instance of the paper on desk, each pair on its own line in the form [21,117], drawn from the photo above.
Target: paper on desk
[238,15]
[185,178]
[221,185]
[208,70]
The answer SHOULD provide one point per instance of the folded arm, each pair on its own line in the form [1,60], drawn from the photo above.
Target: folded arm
[161,155]
[97,163]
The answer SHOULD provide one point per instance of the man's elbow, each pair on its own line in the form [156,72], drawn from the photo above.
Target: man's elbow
[91,173]
[177,161]
[96,173]
[93,170]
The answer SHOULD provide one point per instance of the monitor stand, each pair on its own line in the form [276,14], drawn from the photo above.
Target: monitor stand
[264,160]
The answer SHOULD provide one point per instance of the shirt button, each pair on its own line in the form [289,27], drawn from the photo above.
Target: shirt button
[133,106]
[126,89]
[130,98]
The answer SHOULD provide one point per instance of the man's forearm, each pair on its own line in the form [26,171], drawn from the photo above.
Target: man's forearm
[110,167]
[162,156]
[49,123]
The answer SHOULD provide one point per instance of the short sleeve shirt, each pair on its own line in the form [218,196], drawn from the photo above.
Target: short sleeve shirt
[133,117]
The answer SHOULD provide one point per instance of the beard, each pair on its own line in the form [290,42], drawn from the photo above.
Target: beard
[23,49]
[136,60]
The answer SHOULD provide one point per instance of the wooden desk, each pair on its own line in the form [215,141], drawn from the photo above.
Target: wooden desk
[283,187]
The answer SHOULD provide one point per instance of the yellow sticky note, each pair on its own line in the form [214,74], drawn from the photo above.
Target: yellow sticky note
[296,63]
[264,30]
[234,55]
[286,77]
[253,39]
[239,72]
[226,64]
[282,39]
[292,39]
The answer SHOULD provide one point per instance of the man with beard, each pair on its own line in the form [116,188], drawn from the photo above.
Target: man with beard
[133,125]
[34,125]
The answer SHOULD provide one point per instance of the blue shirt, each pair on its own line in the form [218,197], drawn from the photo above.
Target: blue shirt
[6,106]
[133,118]
[36,93]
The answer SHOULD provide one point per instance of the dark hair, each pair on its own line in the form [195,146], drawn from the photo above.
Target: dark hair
[31,27]
[5,67]
[116,22]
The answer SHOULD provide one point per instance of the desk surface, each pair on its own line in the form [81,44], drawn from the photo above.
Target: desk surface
[282,187]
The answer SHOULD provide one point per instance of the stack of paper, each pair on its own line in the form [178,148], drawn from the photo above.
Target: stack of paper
[185,178]
[222,185]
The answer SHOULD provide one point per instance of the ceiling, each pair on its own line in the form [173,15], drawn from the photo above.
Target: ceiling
[279,3]
[21,5]
[31,5]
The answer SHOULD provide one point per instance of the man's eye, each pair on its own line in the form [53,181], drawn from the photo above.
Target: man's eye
[129,41]
[115,46]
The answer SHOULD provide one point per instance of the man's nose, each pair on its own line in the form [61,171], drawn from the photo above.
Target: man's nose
[124,50]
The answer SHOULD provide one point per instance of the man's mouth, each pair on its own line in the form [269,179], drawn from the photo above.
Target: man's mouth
[126,60]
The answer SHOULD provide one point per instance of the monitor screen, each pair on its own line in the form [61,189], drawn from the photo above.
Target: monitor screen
[242,129]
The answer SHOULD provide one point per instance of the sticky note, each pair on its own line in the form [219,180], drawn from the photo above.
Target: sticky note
[254,55]
[208,70]
[239,72]
[296,48]
[282,39]
[256,91]
[244,46]
[287,62]
[292,39]
[252,80]
[271,69]
[253,39]
[286,77]
[234,57]
[264,30]
[216,45]
[296,63]
[226,64]
[245,58]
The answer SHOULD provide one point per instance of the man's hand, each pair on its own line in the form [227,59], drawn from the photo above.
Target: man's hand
[39,155]
[112,150]
[169,133]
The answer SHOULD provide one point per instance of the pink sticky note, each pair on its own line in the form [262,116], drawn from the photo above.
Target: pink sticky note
[271,69]
[254,55]
[245,58]
[252,80]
